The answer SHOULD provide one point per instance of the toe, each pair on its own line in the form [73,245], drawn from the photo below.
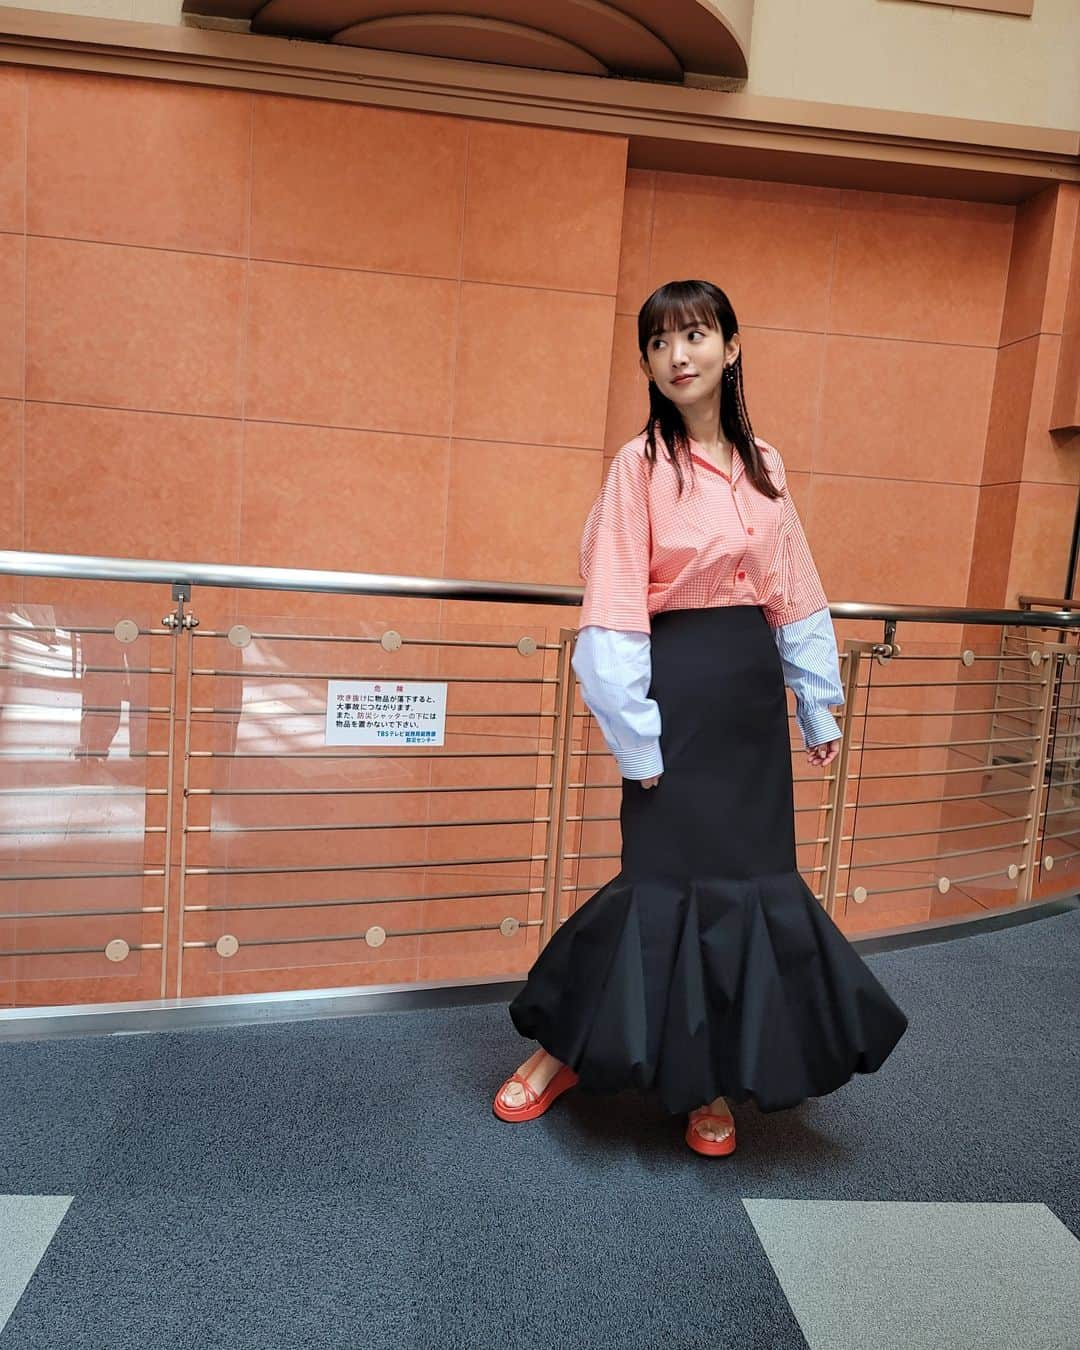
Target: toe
[711,1130]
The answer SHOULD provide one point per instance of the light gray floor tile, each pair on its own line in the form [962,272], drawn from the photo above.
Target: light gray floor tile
[899,1275]
[27,1225]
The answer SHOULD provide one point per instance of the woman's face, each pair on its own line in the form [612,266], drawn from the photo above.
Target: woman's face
[687,363]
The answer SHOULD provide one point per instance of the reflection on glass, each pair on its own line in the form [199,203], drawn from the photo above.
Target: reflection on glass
[75,876]
[72,716]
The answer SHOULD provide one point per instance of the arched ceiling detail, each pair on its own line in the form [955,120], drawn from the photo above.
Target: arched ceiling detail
[465,39]
[642,39]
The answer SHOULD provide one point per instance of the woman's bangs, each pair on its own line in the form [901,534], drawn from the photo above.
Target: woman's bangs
[678,312]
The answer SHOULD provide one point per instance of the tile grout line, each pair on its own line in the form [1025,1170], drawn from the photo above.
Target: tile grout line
[455,350]
[816,443]
[615,316]
[245,328]
[313,426]
[652,231]
[497,440]
[352,269]
[26,315]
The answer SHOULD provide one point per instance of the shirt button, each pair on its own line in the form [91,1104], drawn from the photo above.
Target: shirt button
[741,576]
[749,529]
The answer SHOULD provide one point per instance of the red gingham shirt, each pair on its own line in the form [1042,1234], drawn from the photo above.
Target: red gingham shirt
[644,549]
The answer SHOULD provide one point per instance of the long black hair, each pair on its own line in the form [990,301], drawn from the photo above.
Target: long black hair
[675,305]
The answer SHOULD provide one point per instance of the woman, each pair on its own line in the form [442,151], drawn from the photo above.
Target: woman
[705,969]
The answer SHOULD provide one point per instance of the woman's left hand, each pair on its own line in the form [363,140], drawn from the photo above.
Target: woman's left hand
[820,755]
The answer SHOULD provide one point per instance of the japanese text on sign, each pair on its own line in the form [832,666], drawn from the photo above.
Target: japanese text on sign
[385,712]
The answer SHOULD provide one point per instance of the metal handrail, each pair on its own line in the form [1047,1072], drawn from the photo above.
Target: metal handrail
[88,567]
[1054,601]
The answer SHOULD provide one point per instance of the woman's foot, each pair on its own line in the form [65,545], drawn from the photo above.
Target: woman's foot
[712,1129]
[538,1070]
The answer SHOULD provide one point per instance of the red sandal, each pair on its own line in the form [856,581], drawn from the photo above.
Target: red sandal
[710,1148]
[535,1104]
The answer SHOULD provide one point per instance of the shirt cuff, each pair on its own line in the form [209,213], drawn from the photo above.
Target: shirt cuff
[818,726]
[645,762]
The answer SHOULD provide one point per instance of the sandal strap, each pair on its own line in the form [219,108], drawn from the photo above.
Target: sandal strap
[531,1094]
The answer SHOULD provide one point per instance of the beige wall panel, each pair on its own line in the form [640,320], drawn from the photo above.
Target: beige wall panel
[921,58]
[99,9]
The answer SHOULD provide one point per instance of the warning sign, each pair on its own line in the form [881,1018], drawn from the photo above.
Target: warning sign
[385,712]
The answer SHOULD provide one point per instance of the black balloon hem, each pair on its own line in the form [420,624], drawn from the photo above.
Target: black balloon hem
[692,989]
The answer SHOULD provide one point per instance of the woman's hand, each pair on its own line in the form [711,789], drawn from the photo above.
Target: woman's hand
[650,782]
[820,755]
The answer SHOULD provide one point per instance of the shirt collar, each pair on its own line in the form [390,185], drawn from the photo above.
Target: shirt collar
[737,467]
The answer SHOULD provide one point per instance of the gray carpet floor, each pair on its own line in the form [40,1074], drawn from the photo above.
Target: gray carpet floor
[344,1184]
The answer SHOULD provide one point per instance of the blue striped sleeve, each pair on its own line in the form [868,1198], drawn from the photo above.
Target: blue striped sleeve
[811,664]
[615,671]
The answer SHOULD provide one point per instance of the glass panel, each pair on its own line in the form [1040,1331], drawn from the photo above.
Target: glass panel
[943,778]
[593,836]
[84,737]
[325,865]
[1059,860]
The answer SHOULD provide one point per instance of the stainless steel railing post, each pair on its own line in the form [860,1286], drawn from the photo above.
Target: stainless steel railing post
[562,743]
[853,652]
[1050,654]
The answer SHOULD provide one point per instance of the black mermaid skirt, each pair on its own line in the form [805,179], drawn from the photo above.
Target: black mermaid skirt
[706,967]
